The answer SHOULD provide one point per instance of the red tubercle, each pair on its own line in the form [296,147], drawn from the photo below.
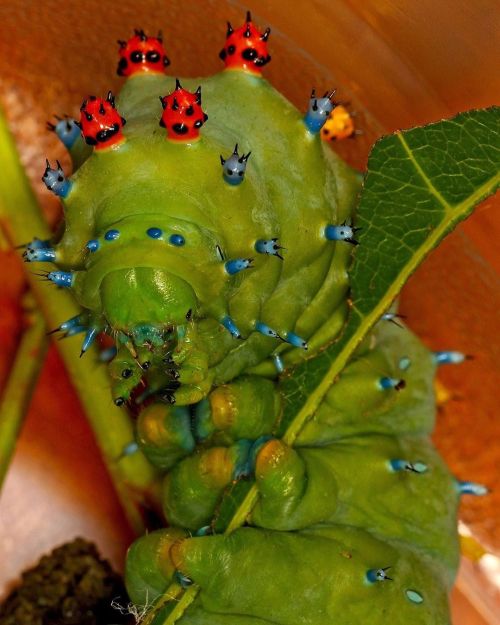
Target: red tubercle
[246,47]
[142,54]
[182,115]
[101,124]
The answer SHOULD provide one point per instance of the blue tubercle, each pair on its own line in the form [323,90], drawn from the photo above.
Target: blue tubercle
[318,111]
[154,233]
[233,168]
[386,383]
[177,239]
[238,264]
[295,340]
[266,330]
[90,337]
[112,235]
[269,246]
[229,324]
[343,232]
[414,596]
[405,465]
[450,358]
[404,363]
[93,245]
[39,255]
[378,575]
[472,488]
[61,278]
[55,180]
[67,130]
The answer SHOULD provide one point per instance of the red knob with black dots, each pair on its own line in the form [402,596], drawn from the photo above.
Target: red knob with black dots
[142,54]
[101,124]
[182,115]
[246,47]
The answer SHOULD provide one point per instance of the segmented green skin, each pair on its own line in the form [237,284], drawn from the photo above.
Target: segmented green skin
[330,509]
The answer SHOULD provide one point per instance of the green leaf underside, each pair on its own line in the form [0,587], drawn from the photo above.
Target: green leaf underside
[420,184]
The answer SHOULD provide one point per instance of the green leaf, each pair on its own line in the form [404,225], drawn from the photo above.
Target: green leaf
[420,184]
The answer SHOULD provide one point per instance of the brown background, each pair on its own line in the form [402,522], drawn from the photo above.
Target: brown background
[399,64]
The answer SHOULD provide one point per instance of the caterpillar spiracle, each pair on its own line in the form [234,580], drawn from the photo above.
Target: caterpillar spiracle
[208,230]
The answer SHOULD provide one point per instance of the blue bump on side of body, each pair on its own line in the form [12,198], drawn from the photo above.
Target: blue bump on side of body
[93,245]
[154,233]
[112,235]
[405,465]
[295,340]
[238,264]
[404,363]
[177,239]
[61,278]
[341,233]
[386,383]
[414,596]
[39,255]
[266,330]
[269,246]
[378,575]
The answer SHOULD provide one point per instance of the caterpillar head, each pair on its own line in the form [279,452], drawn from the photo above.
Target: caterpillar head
[142,300]
[245,47]
[100,122]
[182,114]
[142,54]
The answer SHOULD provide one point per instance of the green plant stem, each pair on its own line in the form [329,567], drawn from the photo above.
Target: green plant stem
[21,384]
[132,475]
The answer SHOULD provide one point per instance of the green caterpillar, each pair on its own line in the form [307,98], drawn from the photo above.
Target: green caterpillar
[215,253]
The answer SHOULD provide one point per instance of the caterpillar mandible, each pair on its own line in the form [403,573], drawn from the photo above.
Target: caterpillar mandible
[215,273]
